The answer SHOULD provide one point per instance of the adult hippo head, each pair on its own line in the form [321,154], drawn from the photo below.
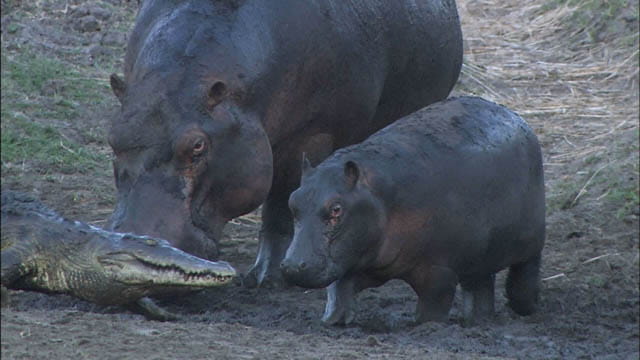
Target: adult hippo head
[188,154]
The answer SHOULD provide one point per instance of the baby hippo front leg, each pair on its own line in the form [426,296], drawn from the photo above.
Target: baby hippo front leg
[341,298]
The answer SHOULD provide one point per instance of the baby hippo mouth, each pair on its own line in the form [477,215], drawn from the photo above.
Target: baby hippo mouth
[312,275]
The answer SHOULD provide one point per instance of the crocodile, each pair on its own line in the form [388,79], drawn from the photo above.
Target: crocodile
[44,252]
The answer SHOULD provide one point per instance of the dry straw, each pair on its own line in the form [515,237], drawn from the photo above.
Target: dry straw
[576,95]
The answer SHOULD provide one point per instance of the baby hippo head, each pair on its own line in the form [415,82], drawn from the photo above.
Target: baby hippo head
[338,223]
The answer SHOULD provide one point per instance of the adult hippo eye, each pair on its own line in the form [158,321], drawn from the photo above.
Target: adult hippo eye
[191,147]
[198,147]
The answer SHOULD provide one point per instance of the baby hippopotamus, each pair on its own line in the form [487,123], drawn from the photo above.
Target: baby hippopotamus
[452,193]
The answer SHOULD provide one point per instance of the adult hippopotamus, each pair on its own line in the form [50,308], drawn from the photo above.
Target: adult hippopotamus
[220,97]
[450,194]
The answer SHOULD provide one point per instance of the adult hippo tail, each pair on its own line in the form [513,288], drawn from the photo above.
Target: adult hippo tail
[220,98]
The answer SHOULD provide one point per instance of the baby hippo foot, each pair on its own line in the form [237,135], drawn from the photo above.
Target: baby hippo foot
[435,288]
[340,302]
[432,310]
[341,298]
[523,286]
[5,296]
[478,300]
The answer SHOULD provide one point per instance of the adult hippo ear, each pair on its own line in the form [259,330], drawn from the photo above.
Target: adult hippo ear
[118,86]
[217,92]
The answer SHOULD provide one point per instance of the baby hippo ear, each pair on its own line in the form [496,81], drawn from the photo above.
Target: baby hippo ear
[351,173]
[306,165]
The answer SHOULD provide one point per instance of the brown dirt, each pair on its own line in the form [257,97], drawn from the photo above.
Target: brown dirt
[579,94]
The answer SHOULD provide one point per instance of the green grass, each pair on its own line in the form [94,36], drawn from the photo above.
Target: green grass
[627,199]
[615,184]
[38,93]
[563,196]
[608,8]
[26,141]
[599,19]
[27,76]
[28,72]
[625,189]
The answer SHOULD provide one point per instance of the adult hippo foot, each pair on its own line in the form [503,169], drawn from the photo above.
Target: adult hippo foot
[265,272]
[263,278]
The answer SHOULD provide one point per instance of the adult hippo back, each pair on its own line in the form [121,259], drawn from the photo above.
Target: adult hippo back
[220,99]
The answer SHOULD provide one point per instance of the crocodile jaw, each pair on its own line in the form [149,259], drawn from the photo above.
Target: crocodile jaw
[191,272]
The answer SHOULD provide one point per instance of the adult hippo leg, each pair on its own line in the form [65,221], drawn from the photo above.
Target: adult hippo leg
[277,222]
[274,239]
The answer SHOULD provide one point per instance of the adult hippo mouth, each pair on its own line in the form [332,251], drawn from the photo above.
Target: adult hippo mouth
[151,208]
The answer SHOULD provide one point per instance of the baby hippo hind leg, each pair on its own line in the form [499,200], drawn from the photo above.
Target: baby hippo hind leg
[523,286]
[435,286]
[478,298]
[339,309]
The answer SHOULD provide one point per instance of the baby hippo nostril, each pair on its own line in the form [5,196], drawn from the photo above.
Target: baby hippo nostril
[290,267]
[303,265]
[285,265]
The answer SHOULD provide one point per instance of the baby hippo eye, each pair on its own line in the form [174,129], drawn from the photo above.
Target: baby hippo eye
[336,210]
[334,214]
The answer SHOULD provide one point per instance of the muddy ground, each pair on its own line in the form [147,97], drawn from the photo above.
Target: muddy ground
[569,67]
